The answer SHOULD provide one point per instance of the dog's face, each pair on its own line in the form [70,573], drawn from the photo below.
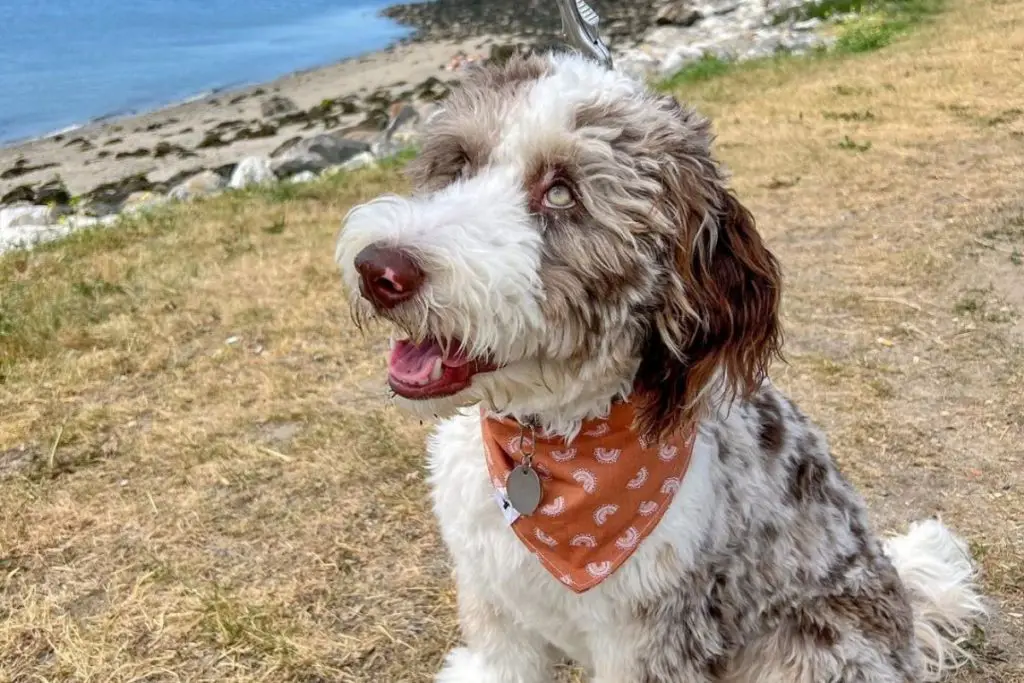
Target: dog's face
[570,239]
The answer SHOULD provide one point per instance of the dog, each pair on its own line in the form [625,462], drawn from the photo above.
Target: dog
[590,312]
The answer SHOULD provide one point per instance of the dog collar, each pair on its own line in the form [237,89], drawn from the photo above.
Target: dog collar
[598,497]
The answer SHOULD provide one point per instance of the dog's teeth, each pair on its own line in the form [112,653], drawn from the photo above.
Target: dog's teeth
[436,371]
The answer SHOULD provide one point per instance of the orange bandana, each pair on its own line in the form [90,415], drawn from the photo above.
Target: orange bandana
[601,495]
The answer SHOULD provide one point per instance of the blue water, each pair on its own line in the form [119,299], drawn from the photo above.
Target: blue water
[64,62]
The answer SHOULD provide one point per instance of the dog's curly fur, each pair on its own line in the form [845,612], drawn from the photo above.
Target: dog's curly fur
[654,286]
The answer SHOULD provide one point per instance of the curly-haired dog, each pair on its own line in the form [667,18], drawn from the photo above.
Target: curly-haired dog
[593,312]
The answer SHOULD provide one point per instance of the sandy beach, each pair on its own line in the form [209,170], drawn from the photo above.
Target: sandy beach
[169,142]
[281,126]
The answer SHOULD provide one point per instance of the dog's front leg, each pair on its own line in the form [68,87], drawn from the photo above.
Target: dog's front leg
[621,655]
[497,649]
[611,669]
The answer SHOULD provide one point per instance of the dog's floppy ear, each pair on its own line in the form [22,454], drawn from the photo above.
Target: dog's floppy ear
[717,328]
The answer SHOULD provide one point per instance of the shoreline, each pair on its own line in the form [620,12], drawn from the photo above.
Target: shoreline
[346,114]
[209,93]
[93,152]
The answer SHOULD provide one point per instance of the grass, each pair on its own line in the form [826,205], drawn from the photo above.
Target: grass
[877,25]
[200,479]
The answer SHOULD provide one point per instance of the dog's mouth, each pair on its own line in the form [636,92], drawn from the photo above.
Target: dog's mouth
[427,370]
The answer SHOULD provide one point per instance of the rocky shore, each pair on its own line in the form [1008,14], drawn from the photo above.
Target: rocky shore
[351,114]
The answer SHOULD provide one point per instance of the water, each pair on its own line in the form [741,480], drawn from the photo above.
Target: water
[65,62]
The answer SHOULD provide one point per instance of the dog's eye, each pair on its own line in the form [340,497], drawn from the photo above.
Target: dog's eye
[558,196]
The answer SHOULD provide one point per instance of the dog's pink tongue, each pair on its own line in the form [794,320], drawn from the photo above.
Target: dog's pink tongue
[412,363]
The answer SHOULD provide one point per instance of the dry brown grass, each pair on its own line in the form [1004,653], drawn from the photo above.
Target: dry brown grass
[199,479]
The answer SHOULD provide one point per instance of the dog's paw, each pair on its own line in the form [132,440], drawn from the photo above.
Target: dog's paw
[464,666]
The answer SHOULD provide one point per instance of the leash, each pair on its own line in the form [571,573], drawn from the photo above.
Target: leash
[579,24]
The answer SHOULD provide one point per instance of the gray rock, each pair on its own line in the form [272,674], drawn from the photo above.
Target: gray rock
[303,177]
[212,139]
[202,185]
[285,146]
[637,64]
[677,13]
[258,129]
[252,171]
[402,126]
[22,193]
[680,57]
[140,202]
[361,160]
[73,223]
[53,193]
[277,105]
[24,216]
[28,236]
[317,153]
[108,197]
[807,24]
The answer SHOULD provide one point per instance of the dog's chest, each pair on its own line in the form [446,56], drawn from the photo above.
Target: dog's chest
[495,566]
[491,560]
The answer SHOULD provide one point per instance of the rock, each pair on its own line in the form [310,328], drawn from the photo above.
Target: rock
[228,126]
[108,197]
[317,153]
[432,89]
[637,64]
[285,146]
[225,171]
[502,53]
[28,236]
[211,139]
[376,119]
[23,216]
[258,129]
[277,105]
[22,193]
[204,184]
[292,118]
[381,99]
[403,119]
[165,148]
[22,167]
[807,24]
[303,177]
[677,13]
[140,152]
[139,202]
[720,7]
[53,193]
[81,143]
[252,171]
[679,58]
[162,184]
[82,222]
[348,105]
[361,160]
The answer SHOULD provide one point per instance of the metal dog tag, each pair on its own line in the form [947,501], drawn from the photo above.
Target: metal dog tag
[524,489]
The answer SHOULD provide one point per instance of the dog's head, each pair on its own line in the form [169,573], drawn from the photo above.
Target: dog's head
[570,240]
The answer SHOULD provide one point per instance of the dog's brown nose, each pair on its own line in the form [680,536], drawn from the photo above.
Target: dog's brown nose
[387,276]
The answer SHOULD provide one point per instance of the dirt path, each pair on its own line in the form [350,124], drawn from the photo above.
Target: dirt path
[200,481]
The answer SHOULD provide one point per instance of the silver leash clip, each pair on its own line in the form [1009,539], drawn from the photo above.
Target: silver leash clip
[579,24]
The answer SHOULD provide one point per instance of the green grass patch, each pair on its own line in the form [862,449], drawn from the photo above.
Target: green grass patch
[877,24]
[823,9]
[704,69]
[880,23]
